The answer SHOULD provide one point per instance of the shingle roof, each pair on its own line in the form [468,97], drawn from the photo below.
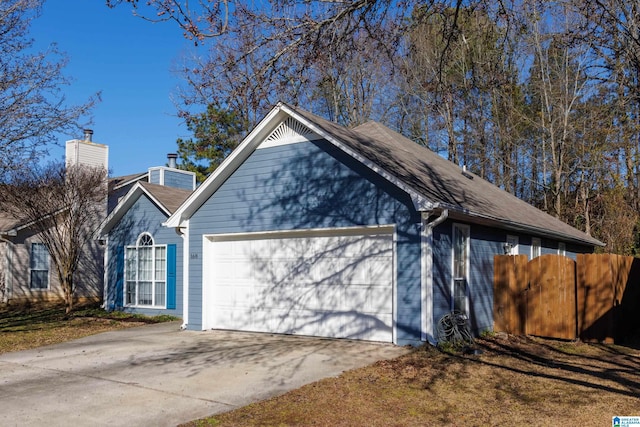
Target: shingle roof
[171,198]
[168,199]
[8,222]
[118,181]
[443,182]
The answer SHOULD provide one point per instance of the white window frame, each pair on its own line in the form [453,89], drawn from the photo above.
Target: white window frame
[144,240]
[31,269]
[513,245]
[562,249]
[466,230]
[536,247]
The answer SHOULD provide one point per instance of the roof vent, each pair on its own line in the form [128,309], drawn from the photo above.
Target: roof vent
[465,173]
[290,129]
[88,135]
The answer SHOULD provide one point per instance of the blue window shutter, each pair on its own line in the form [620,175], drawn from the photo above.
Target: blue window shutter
[119,276]
[171,276]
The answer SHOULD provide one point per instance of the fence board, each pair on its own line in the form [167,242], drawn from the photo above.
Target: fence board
[510,279]
[551,297]
[595,291]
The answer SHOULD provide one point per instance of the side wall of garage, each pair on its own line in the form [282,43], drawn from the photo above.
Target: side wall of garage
[311,185]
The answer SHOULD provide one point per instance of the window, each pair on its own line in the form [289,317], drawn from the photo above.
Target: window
[460,267]
[511,247]
[562,249]
[39,265]
[536,247]
[146,273]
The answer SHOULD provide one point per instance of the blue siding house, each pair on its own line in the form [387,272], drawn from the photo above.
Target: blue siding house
[143,259]
[315,229]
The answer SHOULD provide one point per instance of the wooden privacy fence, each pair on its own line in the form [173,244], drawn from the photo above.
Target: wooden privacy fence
[595,298]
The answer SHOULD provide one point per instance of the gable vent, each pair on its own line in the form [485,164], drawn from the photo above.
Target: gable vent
[289,131]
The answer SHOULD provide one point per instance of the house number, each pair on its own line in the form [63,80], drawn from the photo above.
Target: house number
[194,255]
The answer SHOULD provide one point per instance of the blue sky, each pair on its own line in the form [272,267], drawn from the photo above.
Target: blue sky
[130,61]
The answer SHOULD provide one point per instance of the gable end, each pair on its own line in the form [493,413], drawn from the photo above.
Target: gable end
[290,131]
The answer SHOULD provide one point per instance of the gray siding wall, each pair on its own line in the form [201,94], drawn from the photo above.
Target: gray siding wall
[17,274]
[311,185]
[143,216]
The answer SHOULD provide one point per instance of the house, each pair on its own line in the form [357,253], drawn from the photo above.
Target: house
[26,272]
[142,272]
[314,229]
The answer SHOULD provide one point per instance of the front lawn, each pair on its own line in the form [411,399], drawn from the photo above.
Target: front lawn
[27,327]
[516,381]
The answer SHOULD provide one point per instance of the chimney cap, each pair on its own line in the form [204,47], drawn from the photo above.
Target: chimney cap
[172,160]
[88,134]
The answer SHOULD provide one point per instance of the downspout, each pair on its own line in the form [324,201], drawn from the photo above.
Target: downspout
[426,243]
[105,272]
[8,275]
[183,232]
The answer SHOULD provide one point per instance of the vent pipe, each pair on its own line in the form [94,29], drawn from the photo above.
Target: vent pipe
[88,135]
[172,160]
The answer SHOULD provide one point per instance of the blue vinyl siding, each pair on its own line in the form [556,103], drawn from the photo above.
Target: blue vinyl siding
[154,176]
[176,179]
[143,216]
[442,275]
[551,247]
[484,244]
[311,185]
[171,178]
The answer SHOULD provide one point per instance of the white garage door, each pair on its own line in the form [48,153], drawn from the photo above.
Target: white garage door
[306,283]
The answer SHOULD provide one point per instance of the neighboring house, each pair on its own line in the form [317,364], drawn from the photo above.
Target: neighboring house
[142,270]
[119,186]
[314,229]
[26,269]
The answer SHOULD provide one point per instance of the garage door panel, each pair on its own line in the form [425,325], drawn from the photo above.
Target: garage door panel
[336,286]
[371,299]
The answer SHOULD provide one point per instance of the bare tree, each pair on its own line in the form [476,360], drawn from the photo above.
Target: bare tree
[64,205]
[32,105]
[256,54]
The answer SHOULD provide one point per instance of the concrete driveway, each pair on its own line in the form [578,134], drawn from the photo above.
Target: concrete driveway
[161,376]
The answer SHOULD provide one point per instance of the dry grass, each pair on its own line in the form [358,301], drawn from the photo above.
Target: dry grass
[27,327]
[516,381]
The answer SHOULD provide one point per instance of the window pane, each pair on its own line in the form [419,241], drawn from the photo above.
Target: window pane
[160,293]
[131,293]
[145,240]
[39,257]
[460,295]
[130,265]
[39,263]
[161,262]
[145,263]
[39,279]
[144,293]
[459,253]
